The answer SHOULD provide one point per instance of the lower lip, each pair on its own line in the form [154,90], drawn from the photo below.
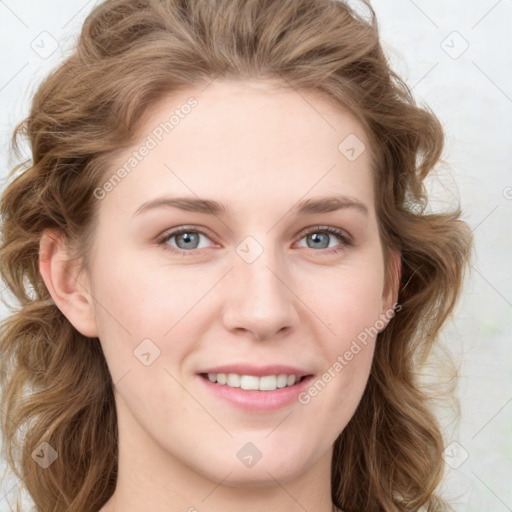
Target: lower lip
[258,401]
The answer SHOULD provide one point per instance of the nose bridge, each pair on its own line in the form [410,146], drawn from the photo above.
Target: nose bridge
[260,302]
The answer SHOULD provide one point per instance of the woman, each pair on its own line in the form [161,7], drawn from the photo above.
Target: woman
[181,343]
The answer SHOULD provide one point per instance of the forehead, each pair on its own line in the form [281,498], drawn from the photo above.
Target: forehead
[252,140]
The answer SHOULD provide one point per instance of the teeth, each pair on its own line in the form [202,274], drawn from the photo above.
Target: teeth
[251,382]
[267,383]
[233,380]
[282,380]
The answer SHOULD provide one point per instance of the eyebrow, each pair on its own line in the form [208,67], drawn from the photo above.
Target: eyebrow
[209,206]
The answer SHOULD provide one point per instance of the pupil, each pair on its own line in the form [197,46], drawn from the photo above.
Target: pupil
[187,237]
[317,238]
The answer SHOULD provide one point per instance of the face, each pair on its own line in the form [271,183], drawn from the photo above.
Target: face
[268,284]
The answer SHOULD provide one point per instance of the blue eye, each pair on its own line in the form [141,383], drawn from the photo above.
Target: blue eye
[187,239]
[326,233]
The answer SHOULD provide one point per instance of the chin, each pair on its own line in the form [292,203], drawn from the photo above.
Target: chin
[262,477]
[261,474]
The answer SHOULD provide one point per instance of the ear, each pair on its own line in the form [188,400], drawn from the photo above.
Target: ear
[390,292]
[71,296]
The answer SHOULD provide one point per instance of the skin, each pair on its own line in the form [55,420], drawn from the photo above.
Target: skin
[258,148]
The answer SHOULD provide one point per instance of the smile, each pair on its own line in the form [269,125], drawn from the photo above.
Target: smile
[253,382]
[254,394]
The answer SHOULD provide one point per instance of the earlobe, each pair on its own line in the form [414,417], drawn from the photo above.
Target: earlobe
[71,295]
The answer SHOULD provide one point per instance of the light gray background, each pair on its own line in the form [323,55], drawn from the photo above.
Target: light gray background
[457,58]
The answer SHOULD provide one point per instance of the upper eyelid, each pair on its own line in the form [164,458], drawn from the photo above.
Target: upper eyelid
[181,229]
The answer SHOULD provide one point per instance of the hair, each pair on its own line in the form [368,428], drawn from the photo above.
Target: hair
[131,53]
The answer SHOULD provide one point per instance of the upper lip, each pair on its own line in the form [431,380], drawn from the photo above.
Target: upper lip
[257,371]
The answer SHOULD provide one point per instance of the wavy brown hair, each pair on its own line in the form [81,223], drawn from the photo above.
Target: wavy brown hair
[130,53]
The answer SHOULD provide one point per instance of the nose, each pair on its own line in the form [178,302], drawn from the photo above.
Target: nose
[261,303]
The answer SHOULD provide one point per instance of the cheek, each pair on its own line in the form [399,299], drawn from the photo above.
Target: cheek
[349,304]
[351,313]
[148,319]
[347,300]
[143,299]
[142,318]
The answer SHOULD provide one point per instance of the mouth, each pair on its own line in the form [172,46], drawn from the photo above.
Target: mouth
[255,383]
[257,394]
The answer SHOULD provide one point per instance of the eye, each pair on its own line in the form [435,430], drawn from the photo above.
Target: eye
[320,237]
[187,239]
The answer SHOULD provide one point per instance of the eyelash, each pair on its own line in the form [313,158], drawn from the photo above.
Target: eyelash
[344,238]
